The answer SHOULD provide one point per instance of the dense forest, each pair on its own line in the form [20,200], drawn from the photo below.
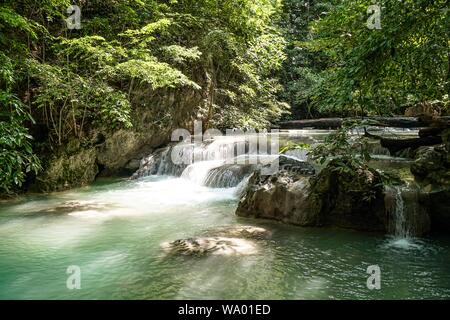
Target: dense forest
[224,149]
[139,68]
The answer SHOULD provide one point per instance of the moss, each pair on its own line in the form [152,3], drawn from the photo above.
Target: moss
[349,196]
[68,171]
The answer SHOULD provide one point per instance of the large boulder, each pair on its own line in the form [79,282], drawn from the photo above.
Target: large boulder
[283,196]
[432,166]
[439,209]
[338,196]
[68,171]
[431,170]
[124,149]
[349,196]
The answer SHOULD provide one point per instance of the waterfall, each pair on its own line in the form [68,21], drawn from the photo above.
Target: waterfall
[407,217]
[222,162]
[228,176]
[401,228]
[198,171]
[396,211]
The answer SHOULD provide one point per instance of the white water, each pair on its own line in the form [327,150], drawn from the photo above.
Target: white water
[221,162]
[401,227]
[114,232]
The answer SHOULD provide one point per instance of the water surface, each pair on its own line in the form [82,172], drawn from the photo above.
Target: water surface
[113,231]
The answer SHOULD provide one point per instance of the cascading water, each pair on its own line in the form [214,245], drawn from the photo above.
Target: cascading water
[222,162]
[406,214]
[115,229]
[401,227]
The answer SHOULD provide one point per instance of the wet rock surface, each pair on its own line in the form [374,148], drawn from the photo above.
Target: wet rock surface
[432,166]
[431,170]
[227,240]
[68,171]
[248,232]
[284,197]
[203,246]
[76,206]
[351,199]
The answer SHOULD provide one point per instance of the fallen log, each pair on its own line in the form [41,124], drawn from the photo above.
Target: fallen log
[334,123]
[431,131]
[395,145]
[322,123]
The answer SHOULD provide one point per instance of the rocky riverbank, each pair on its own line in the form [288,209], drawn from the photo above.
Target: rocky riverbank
[356,197]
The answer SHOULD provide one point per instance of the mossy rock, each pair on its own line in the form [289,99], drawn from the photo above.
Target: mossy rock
[432,166]
[350,197]
[68,171]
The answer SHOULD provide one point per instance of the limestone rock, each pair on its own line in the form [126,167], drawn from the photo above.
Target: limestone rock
[210,246]
[247,232]
[432,166]
[281,197]
[350,198]
[66,172]
[124,149]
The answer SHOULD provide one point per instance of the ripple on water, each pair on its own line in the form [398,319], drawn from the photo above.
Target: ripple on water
[116,232]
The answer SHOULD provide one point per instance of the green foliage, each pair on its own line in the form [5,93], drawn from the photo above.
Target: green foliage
[301,72]
[336,65]
[69,101]
[173,61]
[16,154]
[344,147]
[378,71]
[290,145]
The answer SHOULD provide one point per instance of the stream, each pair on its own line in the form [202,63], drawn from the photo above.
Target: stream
[113,231]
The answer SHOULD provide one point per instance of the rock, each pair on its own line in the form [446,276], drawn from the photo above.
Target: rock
[248,232]
[121,148]
[351,198]
[64,172]
[283,196]
[133,164]
[160,162]
[446,138]
[210,246]
[228,175]
[75,206]
[291,164]
[406,211]
[424,108]
[432,166]
[439,209]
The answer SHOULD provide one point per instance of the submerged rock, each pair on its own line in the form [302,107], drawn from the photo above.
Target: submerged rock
[204,246]
[75,206]
[432,166]
[248,232]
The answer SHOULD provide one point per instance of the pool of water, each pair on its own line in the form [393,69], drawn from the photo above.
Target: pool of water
[113,232]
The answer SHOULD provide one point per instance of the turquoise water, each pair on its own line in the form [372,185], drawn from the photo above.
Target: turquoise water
[113,231]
